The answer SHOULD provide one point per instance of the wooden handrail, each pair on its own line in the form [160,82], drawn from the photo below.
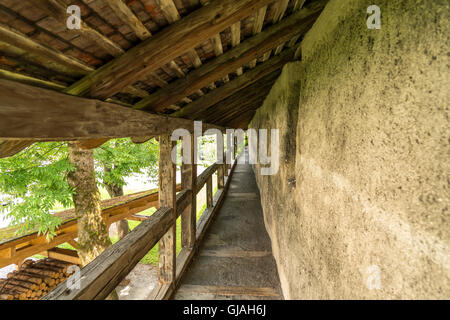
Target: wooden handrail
[204,176]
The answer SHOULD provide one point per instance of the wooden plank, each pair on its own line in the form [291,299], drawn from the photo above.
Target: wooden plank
[127,16]
[193,109]
[298,4]
[296,24]
[163,47]
[260,16]
[104,273]
[167,199]
[189,182]
[56,116]
[236,39]
[170,11]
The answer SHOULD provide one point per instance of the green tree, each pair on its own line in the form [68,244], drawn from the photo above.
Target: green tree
[34,181]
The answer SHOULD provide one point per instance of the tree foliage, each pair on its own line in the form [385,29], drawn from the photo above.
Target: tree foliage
[34,181]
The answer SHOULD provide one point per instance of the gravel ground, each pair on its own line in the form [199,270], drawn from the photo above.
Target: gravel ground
[143,279]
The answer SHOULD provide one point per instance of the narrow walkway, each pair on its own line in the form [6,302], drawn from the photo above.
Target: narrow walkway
[235,258]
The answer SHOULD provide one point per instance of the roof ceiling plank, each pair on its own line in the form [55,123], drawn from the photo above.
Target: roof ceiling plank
[191,110]
[164,46]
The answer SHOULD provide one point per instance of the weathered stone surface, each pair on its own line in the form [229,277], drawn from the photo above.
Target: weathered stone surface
[364,148]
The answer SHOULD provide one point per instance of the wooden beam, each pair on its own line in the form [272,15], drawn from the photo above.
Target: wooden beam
[126,15]
[296,24]
[298,4]
[281,7]
[189,182]
[236,39]
[91,143]
[67,255]
[193,109]
[167,199]
[163,47]
[170,11]
[40,54]
[30,113]
[8,75]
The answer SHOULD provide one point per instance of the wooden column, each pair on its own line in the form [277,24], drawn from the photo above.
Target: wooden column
[235,146]
[167,199]
[189,182]
[222,168]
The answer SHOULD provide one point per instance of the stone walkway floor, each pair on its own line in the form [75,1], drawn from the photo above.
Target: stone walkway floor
[235,258]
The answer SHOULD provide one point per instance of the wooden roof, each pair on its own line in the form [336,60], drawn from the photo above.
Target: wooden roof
[182,58]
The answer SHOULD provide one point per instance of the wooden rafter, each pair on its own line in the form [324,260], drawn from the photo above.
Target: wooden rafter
[193,109]
[56,116]
[298,4]
[129,18]
[170,11]
[57,10]
[297,24]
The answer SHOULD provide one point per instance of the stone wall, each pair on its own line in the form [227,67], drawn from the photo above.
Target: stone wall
[363,186]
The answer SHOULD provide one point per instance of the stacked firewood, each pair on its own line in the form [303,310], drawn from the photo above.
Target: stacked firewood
[34,279]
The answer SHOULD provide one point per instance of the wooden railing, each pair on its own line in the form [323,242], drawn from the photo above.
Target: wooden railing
[100,277]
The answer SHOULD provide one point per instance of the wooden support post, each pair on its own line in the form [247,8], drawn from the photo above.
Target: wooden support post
[189,182]
[209,192]
[167,199]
